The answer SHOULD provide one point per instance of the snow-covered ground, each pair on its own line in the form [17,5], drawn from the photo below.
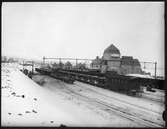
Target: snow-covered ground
[159,95]
[140,75]
[25,103]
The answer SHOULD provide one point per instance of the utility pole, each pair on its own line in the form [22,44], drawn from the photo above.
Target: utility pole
[76,62]
[155,70]
[144,65]
[32,67]
[59,60]
[23,65]
[44,60]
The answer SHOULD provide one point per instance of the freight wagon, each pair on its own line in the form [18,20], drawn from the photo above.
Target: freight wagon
[108,80]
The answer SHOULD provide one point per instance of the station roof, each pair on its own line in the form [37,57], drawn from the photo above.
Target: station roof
[112,50]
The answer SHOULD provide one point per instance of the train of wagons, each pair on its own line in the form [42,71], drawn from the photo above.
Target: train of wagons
[109,80]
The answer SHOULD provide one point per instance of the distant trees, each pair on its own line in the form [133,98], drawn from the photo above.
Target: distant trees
[81,65]
[54,65]
[11,60]
[5,59]
[62,65]
[68,65]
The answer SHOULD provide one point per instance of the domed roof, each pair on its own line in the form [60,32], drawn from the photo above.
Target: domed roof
[112,50]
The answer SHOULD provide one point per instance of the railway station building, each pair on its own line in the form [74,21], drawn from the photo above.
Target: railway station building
[112,61]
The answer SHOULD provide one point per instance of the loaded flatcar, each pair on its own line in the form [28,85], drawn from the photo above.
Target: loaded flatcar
[108,80]
[149,82]
[56,73]
[121,83]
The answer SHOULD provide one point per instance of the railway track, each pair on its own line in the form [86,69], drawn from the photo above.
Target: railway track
[113,109]
[160,100]
[108,107]
[154,95]
[114,98]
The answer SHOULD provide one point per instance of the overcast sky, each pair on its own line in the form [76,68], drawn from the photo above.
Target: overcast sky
[83,29]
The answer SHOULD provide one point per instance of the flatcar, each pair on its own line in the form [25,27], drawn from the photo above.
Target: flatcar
[56,73]
[149,82]
[124,84]
[109,80]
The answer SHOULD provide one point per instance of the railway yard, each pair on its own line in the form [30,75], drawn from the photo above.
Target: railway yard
[83,64]
[46,101]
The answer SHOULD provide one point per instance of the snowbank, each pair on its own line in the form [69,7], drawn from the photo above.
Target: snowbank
[25,103]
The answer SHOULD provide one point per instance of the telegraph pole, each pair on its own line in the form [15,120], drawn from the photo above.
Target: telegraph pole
[76,62]
[44,60]
[32,67]
[23,65]
[59,60]
[155,70]
[144,65]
